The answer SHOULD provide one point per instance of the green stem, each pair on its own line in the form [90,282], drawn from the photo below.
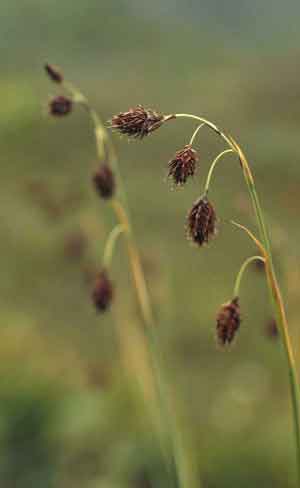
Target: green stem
[195,134]
[213,165]
[206,122]
[275,293]
[236,290]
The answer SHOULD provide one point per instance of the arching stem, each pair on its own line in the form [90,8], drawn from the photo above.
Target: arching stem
[246,263]
[195,134]
[252,237]
[213,165]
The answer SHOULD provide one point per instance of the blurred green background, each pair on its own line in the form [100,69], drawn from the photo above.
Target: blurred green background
[70,411]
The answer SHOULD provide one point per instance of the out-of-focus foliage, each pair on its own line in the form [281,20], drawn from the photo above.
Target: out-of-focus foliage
[70,412]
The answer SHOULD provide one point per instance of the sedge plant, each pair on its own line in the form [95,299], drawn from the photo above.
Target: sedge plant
[201,225]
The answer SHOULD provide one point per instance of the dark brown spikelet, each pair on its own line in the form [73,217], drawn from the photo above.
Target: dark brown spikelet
[201,222]
[228,322]
[60,106]
[104,182]
[54,73]
[102,294]
[138,122]
[183,165]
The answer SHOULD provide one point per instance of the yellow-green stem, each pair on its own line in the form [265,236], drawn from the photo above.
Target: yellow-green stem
[110,244]
[213,165]
[195,134]
[275,293]
[137,271]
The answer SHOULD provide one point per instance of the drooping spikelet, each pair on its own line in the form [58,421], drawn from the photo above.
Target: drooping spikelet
[138,122]
[201,222]
[183,165]
[103,291]
[104,181]
[228,321]
[60,106]
[54,73]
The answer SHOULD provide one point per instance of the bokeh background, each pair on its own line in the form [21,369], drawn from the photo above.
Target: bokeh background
[71,413]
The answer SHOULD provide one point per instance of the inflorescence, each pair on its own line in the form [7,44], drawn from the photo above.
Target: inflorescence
[183,165]
[228,321]
[60,106]
[138,122]
[103,291]
[201,224]
[104,181]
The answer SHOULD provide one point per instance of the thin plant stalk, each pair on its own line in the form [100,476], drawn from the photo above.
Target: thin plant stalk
[246,263]
[111,243]
[274,289]
[194,135]
[214,163]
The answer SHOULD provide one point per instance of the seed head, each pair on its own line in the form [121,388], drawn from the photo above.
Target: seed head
[104,182]
[201,222]
[54,73]
[183,165]
[60,106]
[103,291]
[228,322]
[138,122]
